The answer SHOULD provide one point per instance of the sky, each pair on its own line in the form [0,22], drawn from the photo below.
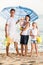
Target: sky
[36,5]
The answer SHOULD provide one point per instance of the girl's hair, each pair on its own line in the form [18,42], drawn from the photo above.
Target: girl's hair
[27,16]
[36,24]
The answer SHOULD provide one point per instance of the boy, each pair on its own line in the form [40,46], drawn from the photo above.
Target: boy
[10,30]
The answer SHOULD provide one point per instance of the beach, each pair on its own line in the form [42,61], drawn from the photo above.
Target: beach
[13,59]
[21,9]
[20,60]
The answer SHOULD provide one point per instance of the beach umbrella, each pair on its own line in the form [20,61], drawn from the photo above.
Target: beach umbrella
[20,12]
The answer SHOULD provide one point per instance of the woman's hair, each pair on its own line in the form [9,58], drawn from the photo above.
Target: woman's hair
[36,24]
[12,10]
[27,16]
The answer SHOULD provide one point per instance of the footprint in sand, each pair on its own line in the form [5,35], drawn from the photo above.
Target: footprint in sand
[1,63]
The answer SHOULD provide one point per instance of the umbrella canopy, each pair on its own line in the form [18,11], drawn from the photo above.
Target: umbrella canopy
[20,12]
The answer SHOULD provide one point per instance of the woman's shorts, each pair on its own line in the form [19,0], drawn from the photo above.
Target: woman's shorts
[24,39]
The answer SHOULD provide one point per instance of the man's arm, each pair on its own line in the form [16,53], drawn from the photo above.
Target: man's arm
[17,21]
[6,29]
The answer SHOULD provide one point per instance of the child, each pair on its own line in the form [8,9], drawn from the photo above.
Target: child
[10,31]
[25,35]
[23,21]
[34,33]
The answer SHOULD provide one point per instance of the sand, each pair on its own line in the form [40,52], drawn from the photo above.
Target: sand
[13,59]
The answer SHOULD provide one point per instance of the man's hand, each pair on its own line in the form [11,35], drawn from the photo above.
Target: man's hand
[21,33]
[17,22]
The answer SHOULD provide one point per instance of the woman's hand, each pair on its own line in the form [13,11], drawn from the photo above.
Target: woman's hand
[21,33]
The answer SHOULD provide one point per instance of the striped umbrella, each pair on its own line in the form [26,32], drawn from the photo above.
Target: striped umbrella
[20,12]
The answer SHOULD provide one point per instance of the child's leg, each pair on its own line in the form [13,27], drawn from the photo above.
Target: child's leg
[7,49]
[16,47]
[21,49]
[36,49]
[32,46]
[25,49]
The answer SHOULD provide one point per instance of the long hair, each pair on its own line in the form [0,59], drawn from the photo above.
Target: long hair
[36,24]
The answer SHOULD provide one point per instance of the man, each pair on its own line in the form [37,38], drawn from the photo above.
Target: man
[10,30]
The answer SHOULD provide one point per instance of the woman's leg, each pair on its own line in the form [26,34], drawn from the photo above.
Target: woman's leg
[21,49]
[25,49]
[26,42]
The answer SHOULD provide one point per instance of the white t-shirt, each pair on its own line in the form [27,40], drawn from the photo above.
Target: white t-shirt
[12,28]
[11,25]
[34,31]
[26,32]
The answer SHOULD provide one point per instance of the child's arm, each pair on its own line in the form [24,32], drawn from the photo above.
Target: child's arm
[38,33]
[30,32]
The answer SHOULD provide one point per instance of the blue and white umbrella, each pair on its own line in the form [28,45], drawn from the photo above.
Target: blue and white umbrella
[20,12]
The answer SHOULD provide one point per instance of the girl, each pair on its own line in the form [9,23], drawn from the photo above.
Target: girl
[25,36]
[34,33]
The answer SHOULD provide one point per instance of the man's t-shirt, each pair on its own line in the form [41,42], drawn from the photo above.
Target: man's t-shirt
[11,25]
[12,31]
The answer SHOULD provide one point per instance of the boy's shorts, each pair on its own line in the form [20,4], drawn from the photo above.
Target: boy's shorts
[34,41]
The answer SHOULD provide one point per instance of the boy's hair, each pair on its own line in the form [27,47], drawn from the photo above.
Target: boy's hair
[12,10]
[36,24]
[28,16]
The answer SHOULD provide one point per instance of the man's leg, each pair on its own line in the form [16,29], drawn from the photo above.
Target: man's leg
[7,50]
[16,47]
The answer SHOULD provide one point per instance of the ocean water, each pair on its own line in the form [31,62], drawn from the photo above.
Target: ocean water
[2,36]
